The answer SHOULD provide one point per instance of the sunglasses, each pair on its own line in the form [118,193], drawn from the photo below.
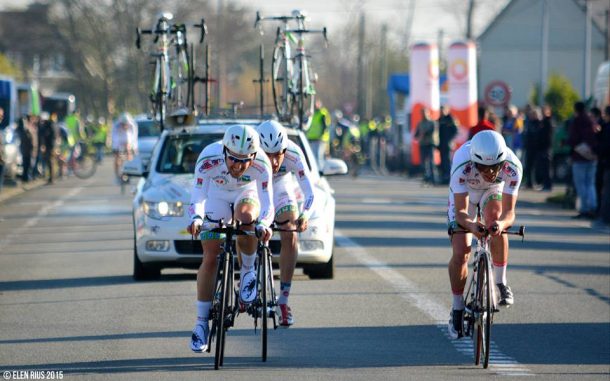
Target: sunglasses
[488,168]
[238,160]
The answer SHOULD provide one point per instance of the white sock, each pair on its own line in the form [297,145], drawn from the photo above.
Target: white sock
[247,261]
[500,274]
[458,302]
[203,311]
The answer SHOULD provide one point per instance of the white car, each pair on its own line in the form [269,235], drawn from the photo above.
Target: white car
[162,196]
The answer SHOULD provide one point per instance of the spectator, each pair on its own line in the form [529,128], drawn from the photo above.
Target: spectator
[603,166]
[447,131]
[426,133]
[584,162]
[598,122]
[509,126]
[483,123]
[318,133]
[545,149]
[100,135]
[47,129]
[531,142]
[28,137]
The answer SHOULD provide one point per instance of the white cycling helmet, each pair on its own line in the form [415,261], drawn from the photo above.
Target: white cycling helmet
[273,136]
[241,140]
[488,148]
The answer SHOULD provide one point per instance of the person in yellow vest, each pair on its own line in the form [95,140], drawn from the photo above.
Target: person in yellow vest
[318,133]
[75,128]
[100,135]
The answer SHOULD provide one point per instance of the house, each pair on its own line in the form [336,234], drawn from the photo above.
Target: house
[510,49]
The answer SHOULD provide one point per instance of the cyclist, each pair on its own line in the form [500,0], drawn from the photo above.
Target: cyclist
[124,141]
[232,171]
[487,174]
[287,158]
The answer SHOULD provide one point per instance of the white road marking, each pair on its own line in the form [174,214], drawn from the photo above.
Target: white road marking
[34,220]
[408,290]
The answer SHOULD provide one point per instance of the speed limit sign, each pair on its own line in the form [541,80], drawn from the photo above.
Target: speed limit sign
[497,94]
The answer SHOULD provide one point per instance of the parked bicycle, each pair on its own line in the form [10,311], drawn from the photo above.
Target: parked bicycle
[480,299]
[172,78]
[292,77]
[80,160]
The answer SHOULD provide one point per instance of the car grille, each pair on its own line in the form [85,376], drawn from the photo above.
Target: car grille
[192,247]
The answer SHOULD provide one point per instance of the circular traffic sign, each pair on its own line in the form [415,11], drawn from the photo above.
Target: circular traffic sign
[497,93]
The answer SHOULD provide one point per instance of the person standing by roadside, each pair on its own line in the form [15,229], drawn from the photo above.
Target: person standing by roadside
[584,161]
[483,123]
[28,139]
[318,133]
[48,135]
[603,165]
[447,130]
[426,134]
[531,142]
[545,148]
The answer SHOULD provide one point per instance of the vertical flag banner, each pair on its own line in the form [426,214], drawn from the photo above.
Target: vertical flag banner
[424,88]
[462,78]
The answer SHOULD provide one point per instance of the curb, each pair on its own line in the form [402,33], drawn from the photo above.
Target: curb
[11,191]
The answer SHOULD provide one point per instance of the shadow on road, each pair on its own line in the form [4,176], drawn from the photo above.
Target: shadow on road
[357,347]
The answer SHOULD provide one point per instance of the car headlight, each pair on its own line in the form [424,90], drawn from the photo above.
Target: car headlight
[162,209]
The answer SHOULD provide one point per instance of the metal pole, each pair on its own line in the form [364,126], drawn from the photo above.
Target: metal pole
[544,48]
[360,84]
[587,53]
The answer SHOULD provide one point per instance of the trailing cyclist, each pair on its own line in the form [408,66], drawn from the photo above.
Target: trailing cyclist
[287,158]
[486,175]
[234,171]
[124,141]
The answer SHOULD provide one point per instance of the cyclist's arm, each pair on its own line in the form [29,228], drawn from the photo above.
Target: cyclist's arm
[507,217]
[460,200]
[265,191]
[512,175]
[303,176]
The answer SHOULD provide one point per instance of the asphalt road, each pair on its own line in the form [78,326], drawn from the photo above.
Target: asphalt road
[68,303]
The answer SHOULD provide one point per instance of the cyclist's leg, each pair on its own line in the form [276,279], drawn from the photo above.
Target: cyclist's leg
[491,205]
[211,243]
[117,162]
[286,210]
[247,208]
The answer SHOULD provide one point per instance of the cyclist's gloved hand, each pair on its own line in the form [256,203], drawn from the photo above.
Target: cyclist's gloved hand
[495,228]
[302,222]
[195,227]
[478,229]
[263,232]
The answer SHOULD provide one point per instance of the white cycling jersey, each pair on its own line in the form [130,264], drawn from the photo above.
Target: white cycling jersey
[212,180]
[283,186]
[465,178]
[124,136]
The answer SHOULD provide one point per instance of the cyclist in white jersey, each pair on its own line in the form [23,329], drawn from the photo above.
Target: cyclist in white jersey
[486,174]
[287,160]
[235,171]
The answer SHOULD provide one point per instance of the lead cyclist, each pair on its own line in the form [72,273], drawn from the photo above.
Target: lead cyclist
[486,174]
[287,158]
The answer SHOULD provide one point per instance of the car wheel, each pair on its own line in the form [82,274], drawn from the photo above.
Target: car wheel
[321,271]
[142,271]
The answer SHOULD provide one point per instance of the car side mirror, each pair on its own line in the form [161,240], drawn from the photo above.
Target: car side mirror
[333,167]
[135,167]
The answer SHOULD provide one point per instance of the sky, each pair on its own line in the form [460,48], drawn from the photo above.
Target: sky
[430,15]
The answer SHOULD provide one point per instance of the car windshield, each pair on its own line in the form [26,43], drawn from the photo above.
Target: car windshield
[180,152]
[147,128]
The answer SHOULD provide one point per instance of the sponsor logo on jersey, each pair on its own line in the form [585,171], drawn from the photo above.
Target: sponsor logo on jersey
[264,185]
[462,180]
[245,178]
[301,173]
[467,169]
[513,184]
[510,171]
[199,182]
[220,180]
[209,164]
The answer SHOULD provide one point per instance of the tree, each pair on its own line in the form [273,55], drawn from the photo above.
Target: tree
[561,96]
[7,68]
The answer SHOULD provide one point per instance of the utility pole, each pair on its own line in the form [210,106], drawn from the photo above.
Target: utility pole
[586,88]
[360,86]
[544,48]
[383,71]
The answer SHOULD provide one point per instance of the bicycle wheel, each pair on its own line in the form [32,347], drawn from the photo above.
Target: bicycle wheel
[307,94]
[264,285]
[482,311]
[180,78]
[223,311]
[84,165]
[280,79]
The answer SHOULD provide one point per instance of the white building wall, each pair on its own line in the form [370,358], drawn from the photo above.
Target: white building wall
[510,49]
